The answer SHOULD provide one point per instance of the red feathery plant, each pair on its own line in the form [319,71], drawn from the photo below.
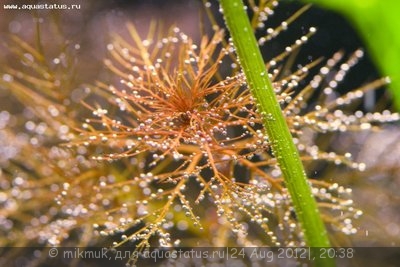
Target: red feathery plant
[181,157]
[184,124]
[199,137]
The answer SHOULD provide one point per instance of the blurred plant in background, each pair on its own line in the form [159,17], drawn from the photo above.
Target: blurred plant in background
[165,146]
[378,24]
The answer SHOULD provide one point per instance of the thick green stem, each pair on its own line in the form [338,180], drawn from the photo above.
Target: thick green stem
[275,124]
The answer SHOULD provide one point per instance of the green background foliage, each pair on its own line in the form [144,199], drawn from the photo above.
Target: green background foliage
[378,23]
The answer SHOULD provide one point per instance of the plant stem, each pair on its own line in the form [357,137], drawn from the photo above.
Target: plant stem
[274,122]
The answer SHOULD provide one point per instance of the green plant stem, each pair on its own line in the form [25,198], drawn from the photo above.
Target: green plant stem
[275,124]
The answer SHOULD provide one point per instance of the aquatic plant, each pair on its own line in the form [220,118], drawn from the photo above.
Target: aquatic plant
[171,150]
